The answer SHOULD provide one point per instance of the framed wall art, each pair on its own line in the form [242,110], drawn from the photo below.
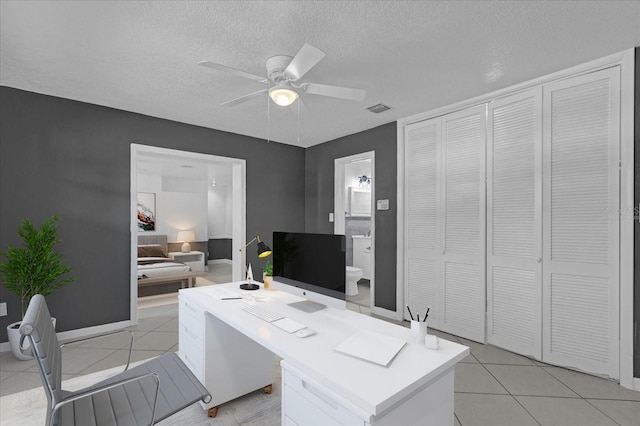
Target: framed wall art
[146,211]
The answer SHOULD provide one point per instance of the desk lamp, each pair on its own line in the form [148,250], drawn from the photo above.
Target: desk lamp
[263,251]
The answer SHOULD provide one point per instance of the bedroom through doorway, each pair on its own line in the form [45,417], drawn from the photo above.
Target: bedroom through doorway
[181,198]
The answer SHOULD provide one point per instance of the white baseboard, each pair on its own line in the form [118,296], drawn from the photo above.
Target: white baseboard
[220,261]
[80,333]
[636,383]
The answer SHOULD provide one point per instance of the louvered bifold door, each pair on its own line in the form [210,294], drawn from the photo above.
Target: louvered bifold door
[514,223]
[463,212]
[580,222]
[422,234]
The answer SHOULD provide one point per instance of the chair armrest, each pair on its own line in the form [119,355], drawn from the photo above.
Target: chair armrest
[105,388]
[99,336]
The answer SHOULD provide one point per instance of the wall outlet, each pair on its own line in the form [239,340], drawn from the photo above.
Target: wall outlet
[3,309]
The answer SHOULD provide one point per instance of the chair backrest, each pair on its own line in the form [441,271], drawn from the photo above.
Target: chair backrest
[38,329]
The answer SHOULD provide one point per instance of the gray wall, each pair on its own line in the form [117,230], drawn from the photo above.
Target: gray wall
[64,157]
[319,197]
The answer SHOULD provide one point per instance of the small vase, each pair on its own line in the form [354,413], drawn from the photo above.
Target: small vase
[268,282]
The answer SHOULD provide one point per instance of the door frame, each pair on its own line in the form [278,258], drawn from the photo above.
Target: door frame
[238,208]
[339,223]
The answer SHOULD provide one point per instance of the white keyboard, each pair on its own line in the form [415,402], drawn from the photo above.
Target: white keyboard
[262,313]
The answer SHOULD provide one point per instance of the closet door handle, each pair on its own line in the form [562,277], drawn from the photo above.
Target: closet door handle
[442,251]
[538,259]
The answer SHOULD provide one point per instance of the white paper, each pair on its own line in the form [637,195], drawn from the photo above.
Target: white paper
[373,347]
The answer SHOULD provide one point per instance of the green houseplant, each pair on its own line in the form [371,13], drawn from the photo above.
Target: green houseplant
[33,269]
[267,274]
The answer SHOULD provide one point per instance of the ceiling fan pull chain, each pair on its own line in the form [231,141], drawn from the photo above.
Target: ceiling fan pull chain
[298,122]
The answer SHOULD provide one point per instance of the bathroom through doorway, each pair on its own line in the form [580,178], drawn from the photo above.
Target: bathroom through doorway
[354,217]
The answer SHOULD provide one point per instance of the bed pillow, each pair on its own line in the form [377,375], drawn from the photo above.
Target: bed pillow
[152,250]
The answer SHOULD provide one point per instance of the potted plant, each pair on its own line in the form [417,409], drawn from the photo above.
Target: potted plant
[34,269]
[267,275]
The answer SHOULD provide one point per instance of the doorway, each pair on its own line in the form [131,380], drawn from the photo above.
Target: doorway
[354,217]
[196,170]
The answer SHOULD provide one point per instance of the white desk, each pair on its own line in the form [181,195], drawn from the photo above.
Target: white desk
[231,352]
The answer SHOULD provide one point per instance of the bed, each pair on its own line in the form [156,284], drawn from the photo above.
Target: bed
[156,269]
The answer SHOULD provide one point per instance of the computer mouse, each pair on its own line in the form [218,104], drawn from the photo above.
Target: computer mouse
[305,332]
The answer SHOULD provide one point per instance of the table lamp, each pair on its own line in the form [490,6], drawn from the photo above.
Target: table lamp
[186,236]
[263,251]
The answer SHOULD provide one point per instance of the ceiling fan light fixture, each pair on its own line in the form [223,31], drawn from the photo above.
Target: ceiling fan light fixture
[283,96]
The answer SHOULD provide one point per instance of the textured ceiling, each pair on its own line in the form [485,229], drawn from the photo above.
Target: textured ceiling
[413,56]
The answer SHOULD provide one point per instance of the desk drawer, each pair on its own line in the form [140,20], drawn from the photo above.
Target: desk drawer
[307,398]
[192,353]
[192,318]
[195,336]
[299,411]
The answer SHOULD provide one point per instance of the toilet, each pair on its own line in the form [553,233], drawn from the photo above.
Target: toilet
[353,275]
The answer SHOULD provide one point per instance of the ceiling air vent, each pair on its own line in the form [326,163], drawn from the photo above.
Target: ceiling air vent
[378,108]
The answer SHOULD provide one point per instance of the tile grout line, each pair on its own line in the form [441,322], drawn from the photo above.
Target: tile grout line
[581,397]
[510,394]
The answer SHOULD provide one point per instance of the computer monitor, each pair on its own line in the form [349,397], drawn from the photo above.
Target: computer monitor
[311,266]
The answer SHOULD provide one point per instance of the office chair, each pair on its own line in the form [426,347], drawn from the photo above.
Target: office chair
[142,395]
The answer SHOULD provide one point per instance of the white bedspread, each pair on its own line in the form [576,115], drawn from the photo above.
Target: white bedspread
[162,268]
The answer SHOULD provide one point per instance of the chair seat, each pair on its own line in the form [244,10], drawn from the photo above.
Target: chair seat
[132,403]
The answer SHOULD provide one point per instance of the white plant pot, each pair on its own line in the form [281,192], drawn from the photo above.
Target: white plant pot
[13,331]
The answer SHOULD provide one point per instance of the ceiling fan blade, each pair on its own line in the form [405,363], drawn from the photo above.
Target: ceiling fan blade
[230,70]
[335,91]
[306,58]
[243,98]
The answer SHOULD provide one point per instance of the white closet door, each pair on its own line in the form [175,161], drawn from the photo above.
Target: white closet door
[422,234]
[580,222]
[514,223]
[463,214]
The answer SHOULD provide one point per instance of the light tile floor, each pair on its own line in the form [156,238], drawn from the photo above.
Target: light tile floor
[492,386]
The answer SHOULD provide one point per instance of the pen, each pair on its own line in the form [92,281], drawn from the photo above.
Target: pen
[231,298]
[418,317]
[427,314]
[410,314]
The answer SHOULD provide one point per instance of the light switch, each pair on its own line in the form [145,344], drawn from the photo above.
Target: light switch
[331,217]
[383,204]
[3,309]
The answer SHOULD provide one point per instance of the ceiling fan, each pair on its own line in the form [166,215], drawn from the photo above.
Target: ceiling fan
[283,73]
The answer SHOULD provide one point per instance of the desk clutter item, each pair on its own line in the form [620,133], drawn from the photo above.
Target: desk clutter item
[249,286]
[305,332]
[418,332]
[263,313]
[431,341]
[373,347]
[288,325]
[221,293]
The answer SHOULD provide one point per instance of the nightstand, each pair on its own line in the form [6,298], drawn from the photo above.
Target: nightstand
[195,259]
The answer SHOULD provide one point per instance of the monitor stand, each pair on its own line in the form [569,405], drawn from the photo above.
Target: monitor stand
[308,306]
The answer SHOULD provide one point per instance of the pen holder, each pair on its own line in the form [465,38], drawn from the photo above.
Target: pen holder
[418,331]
